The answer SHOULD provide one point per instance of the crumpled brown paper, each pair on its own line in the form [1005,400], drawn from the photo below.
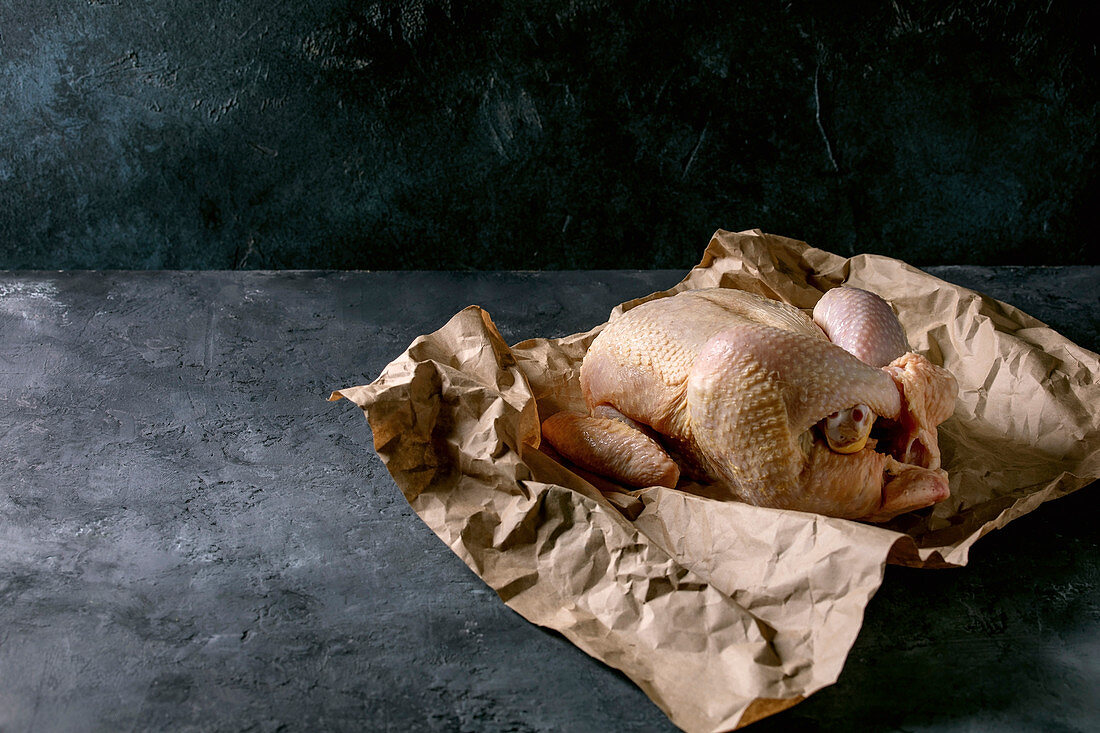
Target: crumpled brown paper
[721,612]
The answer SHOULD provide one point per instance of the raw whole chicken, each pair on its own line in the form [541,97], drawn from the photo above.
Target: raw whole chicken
[833,415]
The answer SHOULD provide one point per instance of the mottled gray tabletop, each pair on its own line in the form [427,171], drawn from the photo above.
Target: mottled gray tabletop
[193,538]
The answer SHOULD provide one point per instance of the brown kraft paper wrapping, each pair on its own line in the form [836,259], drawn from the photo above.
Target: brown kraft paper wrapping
[722,612]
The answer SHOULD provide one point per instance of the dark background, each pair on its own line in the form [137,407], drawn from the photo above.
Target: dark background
[455,134]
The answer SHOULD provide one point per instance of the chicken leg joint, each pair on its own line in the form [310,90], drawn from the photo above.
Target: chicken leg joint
[846,431]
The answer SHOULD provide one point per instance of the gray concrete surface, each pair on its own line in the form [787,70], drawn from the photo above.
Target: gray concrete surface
[192,538]
[438,134]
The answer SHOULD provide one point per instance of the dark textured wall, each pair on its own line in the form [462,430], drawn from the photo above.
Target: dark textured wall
[450,134]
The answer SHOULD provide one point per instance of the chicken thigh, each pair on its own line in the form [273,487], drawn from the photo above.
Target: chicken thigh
[743,392]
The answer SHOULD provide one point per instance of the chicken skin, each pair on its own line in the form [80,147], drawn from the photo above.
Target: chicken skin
[749,394]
